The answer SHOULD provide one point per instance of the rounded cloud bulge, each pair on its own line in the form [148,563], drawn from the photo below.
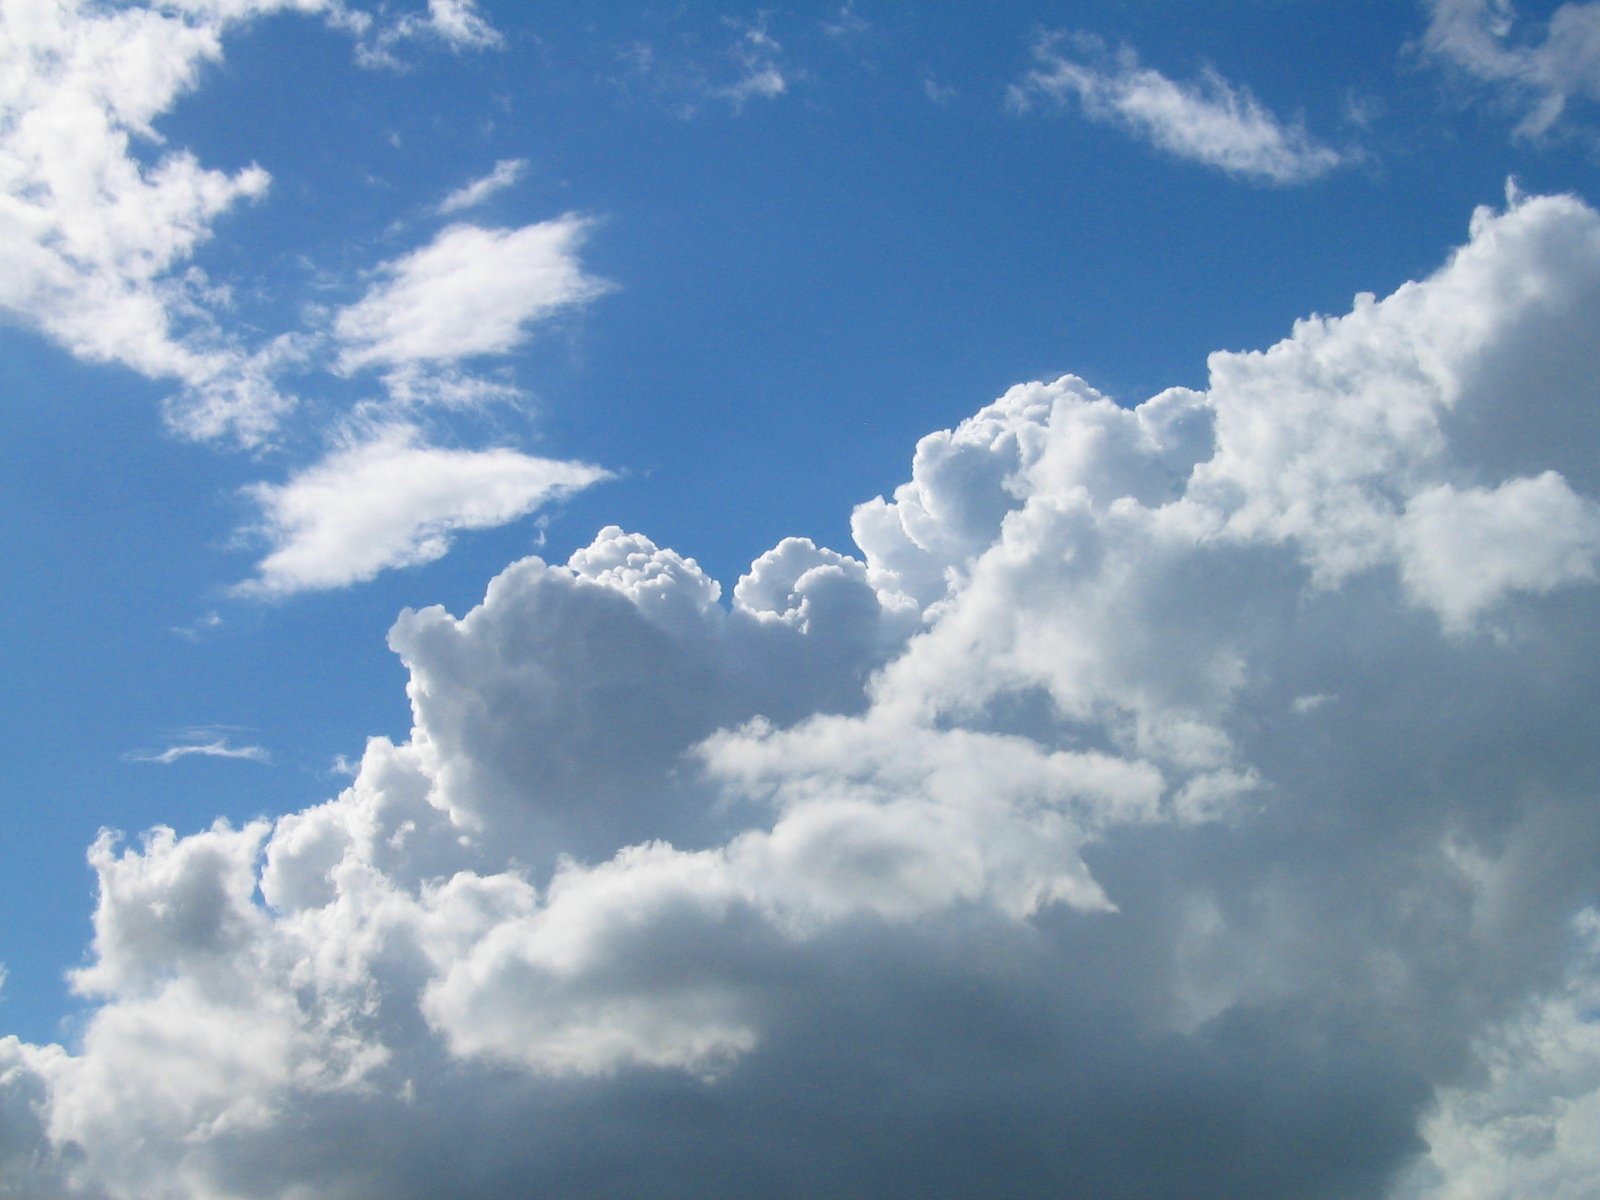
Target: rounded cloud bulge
[1193,798]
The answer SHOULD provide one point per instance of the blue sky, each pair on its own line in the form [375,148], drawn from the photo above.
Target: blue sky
[320,312]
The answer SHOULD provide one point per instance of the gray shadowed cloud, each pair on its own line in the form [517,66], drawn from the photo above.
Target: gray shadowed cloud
[1188,799]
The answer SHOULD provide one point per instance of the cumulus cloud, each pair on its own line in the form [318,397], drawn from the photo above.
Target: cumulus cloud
[391,500]
[505,174]
[1540,72]
[686,76]
[1211,121]
[470,292]
[1188,798]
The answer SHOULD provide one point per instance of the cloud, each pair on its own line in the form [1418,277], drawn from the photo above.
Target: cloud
[218,747]
[454,24]
[685,76]
[99,220]
[94,237]
[1530,1128]
[392,501]
[1187,798]
[1488,40]
[758,56]
[1212,121]
[470,292]
[505,174]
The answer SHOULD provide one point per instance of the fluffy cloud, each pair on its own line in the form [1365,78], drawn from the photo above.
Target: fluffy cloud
[469,292]
[1487,40]
[1211,122]
[1192,798]
[390,501]
[91,236]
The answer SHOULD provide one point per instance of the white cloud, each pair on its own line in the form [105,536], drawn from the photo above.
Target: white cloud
[1211,121]
[759,58]
[393,501]
[1164,788]
[99,219]
[92,237]
[506,173]
[1488,39]
[1532,1126]
[215,748]
[684,75]
[455,24]
[470,292]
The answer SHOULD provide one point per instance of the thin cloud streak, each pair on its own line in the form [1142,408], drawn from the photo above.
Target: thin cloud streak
[507,172]
[1211,121]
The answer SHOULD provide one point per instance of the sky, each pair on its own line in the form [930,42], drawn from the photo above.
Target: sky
[869,599]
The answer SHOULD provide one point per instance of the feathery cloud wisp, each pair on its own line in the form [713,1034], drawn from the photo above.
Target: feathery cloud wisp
[1211,121]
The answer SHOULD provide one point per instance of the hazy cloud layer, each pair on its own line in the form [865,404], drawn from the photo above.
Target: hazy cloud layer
[1211,121]
[1194,798]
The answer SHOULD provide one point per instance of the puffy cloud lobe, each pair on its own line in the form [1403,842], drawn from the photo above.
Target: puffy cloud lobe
[1188,798]
[1211,122]
[393,501]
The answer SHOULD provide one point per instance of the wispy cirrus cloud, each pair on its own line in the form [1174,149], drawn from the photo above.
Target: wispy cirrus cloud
[758,56]
[506,173]
[207,741]
[100,221]
[454,24]
[687,74]
[1209,121]
[1540,70]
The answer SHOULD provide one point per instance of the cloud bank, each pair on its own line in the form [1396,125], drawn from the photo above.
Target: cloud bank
[1543,75]
[1211,122]
[1187,799]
